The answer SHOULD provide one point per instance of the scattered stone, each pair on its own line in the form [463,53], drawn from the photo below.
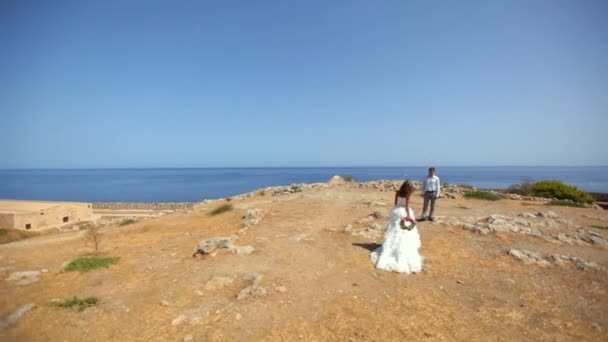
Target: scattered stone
[252,291]
[24,277]
[188,338]
[178,320]
[13,317]
[527,215]
[528,257]
[379,214]
[376,204]
[375,226]
[348,229]
[548,214]
[238,316]
[254,278]
[199,293]
[252,217]
[164,303]
[242,250]
[217,282]
[209,245]
[280,288]
[300,237]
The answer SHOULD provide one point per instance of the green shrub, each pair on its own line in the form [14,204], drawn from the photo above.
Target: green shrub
[560,190]
[567,203]
[127,221]
[80,303]
[3,231]
[86,264]
[521,189]
[221,209]
[485,195]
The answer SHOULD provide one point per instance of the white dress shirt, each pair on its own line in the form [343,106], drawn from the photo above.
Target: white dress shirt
[432,184]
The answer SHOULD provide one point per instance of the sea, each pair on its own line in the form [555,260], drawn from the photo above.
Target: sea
[196,184]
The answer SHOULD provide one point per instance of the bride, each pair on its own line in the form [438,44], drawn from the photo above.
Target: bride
[399,252]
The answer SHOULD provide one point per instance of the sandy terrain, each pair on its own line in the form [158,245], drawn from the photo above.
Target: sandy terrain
[319,280]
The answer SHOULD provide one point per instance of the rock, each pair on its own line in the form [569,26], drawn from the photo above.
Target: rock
[242,250]
[13,317]
[376,204]
[375,226]
[252,217]
[527,215]
[336,180]
[252,291]
[300,237]
[188,338]
[366,219]
[280,288]
[210,245]
[528,257]
[548,214]
[254,278]
[597,206]
[379,214]
[348,229]
[24,277]
[585,265]
[178,320]
[217,282]
[238,316]
[164,303]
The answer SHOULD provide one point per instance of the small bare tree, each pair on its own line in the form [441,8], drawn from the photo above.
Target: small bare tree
[93,237]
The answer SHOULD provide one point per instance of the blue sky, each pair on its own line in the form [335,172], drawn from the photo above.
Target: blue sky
[302,83]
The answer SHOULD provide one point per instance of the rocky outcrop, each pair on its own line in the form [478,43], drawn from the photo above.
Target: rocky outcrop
[529,257]
[13,317]
[24,277]
[210,245]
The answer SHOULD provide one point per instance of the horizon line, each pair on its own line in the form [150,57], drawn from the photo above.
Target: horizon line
[280,167]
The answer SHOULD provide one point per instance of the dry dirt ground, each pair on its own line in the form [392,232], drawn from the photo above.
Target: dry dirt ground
[320,281]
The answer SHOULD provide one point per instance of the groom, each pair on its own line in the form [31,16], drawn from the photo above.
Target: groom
[431,187]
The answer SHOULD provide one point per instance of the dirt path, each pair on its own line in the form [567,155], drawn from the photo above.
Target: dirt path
[320,283]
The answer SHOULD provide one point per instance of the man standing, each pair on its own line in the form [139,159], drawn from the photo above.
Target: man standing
[431,187]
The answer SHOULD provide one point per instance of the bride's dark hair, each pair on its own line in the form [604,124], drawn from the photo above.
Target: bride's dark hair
[406,189]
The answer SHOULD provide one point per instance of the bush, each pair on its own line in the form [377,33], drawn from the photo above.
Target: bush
[3,231]
[221,209]
[485,195]
[127,221]
[349,179]
[86,264]
[560,190]
[567,203]
[76,302]
[521,189]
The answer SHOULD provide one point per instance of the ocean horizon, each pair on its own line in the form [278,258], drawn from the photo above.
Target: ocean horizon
[192,184]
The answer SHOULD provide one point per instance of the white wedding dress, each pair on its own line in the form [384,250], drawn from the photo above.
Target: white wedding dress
[399,252]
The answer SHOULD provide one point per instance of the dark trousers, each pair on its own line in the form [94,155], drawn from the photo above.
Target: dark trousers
[429,196]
